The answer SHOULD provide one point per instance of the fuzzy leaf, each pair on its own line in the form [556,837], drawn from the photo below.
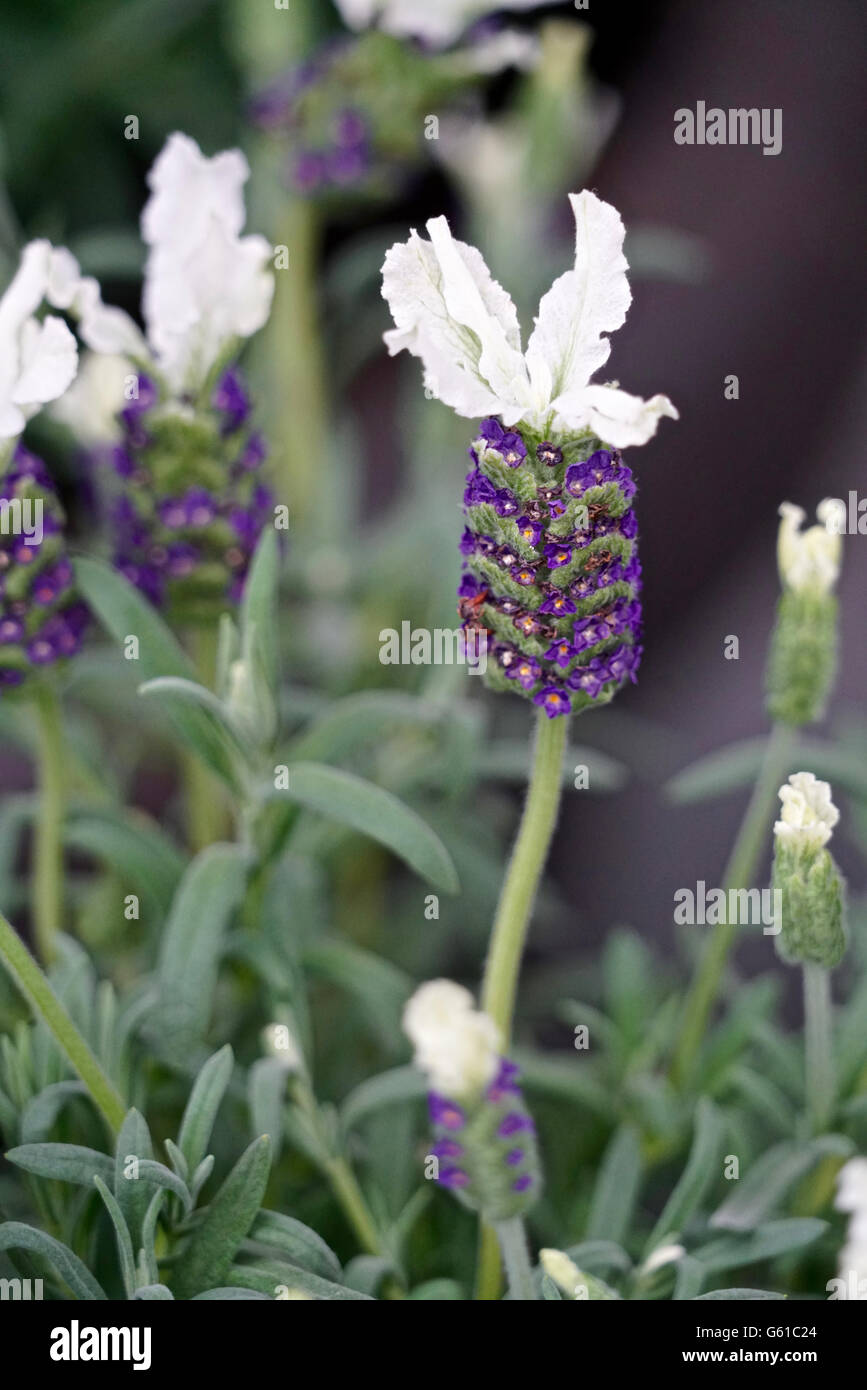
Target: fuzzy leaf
[766,1182]
[396,1087]
[297,1242]
[40,1113]
[121,1230]
[191,947]
[14,1235]
[259,606]
[372,811]
[771,1239]
[739,1295]
[207,1258]
[202,1106]
[133,1141]
[616,1188]
[68,1162]
[701,1170]
[153,1293]
[271,1277]
[136,848]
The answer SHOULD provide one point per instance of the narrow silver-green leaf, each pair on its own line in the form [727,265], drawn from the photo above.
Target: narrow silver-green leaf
[702,1169]
[68,1162]
[616,1189]
[208,1256]
[202,1106]
[14,1235]
[121,1230]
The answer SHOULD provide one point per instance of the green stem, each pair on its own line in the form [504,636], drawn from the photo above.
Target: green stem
[739,873]
[819,1080]
[203,793]
[47,876]
[351,1198]
[516,1260]
[513,916]
[523,874]
[45,1004]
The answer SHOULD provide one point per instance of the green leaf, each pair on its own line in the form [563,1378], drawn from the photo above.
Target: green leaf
[266,1092]
[508,760]
[399,1086]
[153,1293]
[67,1162]
[599,1256]
[616,1189]
[701,1171]
[207,1258]
[747,1295]
[297,1242]
[271,1277]
[135,847]
[363,720]
[737,766]
[40,1113]
[439,1291]
[152,1172]
[769,1177]
[369,809]
[690,1277]
[201,1108]
[191,947]
[771,1239]
[235,1295]
[259,607]
[124,612]
[14,1235]
[380,987]
[121,1230]
[218,741]
[133,1141]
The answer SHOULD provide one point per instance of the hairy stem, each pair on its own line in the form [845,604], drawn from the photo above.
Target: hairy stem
[819,1079]
[45,1004]
[203,793]
[513,916]
[47,873]
[739,873]
[516,1260]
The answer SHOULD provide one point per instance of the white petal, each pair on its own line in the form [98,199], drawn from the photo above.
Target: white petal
[48,363]
[615,416]
[194,306]
[188,191]
[567,345]
[507,48]
[452,314]
[440,22]
[91,405]
[103,327]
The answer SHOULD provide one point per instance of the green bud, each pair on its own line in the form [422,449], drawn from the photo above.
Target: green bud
[811,886]
[803,657]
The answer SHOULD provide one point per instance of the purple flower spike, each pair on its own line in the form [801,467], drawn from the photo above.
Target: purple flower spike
[525,575]
[521,1184]
[515,1157]
[553,701]
[505,503]
[527,624]
[11,630]
[556,507]
[557,555]
[587,680]
[514,1123]
[446,1148]
[577,479]
[469,586]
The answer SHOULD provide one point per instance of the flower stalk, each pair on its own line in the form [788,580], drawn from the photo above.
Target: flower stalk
[818,1046]
[516,1260]
[37,990]
[47,875]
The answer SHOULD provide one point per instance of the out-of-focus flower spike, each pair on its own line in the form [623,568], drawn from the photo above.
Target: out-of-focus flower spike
[812,928]
[803,656]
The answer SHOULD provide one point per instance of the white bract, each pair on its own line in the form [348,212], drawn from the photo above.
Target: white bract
[810,560]
[451,313]
[852,1198]
[205,285]
[808,815]
[90,407]
[38,358]
[438,22]
[456,1045]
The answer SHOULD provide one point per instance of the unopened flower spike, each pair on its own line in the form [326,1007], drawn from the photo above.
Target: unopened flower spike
[803,654]
[551,568]
[183,493]
[811,888]
[355,117]
[42,620]
[484,1137]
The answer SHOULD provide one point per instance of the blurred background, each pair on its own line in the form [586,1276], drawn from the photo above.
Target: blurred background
[742,263]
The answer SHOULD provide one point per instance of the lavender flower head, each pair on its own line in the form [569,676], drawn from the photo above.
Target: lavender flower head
[352,118]
[554,580]
[41,619]
[484,1138]
[182,486]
